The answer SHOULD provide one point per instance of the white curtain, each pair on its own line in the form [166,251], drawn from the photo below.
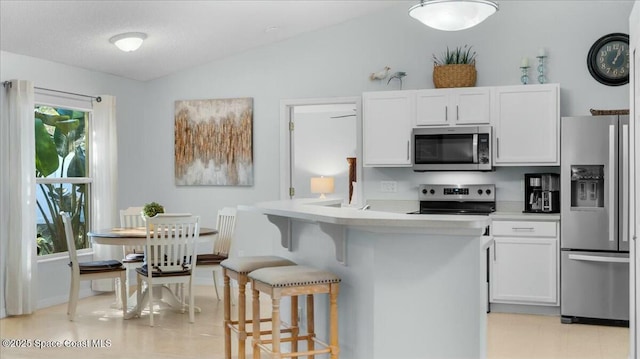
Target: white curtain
[104,169]
[18,169]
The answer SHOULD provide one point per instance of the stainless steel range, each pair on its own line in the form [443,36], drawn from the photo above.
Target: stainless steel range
[473,199]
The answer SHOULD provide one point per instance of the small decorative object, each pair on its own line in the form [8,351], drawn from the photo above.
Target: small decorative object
[397,75]
[151,209]
[608,59]
[524,69]
[382,74]
[455,68]
[541,56]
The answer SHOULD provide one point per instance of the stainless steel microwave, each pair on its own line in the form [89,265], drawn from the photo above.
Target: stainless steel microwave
[455,148]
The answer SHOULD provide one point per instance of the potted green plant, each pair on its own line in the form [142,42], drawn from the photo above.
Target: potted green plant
[455,68]
[151,209]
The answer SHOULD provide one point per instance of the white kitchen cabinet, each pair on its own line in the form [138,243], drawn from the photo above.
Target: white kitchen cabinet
[388,118]
[450,107]
[524,263]
[526,122]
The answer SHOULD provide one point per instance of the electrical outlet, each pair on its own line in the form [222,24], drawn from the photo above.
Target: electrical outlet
[388,186]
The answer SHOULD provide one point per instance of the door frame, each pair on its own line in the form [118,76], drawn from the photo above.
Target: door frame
[286,153]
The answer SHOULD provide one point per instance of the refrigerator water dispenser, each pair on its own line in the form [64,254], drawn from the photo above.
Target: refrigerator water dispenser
[587,186]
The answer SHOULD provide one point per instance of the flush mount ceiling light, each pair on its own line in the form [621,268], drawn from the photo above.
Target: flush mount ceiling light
[452,15]
[129,41]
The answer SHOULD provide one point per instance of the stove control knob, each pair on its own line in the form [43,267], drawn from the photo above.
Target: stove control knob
[424,191]
[432,191]
[488,191]
[479,191]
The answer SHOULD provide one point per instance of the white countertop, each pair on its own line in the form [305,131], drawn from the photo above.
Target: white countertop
[331,212]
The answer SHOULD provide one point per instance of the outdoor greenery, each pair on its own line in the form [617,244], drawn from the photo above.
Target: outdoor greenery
[459,55]
[60,143]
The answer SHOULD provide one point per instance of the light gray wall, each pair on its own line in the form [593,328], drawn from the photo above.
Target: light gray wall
[327,63]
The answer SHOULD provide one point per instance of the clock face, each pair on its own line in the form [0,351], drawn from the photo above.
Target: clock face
[608,59]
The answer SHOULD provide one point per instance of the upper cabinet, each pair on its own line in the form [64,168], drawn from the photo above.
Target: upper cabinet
[526,123]
[388,118]
[450,107]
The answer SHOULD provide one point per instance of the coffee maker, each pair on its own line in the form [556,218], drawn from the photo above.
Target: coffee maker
[541,193]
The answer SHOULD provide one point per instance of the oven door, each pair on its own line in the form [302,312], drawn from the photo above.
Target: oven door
[450,149]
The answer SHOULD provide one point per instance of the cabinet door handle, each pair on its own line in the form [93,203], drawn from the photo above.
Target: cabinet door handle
[498,147]
[408,150]
[446,113]
[457,114]
[522,229]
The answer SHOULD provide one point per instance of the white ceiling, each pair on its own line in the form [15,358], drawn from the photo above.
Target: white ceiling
[181,34]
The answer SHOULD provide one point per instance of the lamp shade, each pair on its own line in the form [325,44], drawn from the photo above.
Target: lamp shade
[129,41]
[452,15]
[322,185]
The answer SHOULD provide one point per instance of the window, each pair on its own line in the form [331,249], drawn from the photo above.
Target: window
[63,181]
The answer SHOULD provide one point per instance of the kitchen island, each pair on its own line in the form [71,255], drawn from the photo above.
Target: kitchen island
[413,286]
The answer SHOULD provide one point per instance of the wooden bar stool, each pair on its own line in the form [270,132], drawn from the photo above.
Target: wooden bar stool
[292,281]
[238,268]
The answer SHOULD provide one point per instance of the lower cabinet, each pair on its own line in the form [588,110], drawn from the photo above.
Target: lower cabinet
[524,263]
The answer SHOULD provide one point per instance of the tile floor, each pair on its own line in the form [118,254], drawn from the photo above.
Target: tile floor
[510,336]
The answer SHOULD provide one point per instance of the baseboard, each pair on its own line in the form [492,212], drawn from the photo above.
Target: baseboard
[50,302]
[524,309]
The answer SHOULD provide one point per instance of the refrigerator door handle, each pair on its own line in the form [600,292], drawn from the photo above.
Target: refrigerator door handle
[612,182]
[582,257]
[624,196]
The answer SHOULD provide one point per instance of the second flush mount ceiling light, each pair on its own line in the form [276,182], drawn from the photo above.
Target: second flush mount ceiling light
[129,41]
[452,15]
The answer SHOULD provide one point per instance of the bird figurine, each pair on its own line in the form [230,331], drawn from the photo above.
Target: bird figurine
[397,75]
[382,74]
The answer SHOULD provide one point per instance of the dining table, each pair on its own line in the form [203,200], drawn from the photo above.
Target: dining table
[137,236]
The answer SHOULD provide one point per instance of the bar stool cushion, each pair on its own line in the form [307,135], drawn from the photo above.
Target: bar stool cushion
[245,265]
[293,276]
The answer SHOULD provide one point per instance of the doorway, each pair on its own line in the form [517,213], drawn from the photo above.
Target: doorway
[319,135]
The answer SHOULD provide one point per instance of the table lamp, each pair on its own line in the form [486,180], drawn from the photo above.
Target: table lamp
[322,185]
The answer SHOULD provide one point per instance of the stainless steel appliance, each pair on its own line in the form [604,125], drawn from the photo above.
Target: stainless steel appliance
[541,193]
[456,199]
[455,148]
[594,219]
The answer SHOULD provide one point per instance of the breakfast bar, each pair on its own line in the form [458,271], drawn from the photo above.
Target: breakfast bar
[413,286]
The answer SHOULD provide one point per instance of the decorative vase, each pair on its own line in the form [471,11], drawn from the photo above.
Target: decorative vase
[454,75]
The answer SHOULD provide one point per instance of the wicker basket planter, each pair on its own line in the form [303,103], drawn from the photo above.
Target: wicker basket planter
[454,75]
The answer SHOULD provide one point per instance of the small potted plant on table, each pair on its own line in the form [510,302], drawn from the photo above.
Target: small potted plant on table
[151,210]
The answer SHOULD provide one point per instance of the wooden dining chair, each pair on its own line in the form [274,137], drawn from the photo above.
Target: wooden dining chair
[225,224]
[170,253]
[133,255]
[89,271]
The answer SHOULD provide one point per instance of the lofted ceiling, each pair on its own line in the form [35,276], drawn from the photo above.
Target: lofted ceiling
[181,34]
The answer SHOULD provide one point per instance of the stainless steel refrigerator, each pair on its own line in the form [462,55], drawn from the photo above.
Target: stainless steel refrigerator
[594,240]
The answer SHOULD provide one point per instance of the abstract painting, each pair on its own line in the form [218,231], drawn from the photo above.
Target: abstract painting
[214,142]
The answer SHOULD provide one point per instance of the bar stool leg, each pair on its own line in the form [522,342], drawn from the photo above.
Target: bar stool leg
[256,322]
[333,321]
[295,329]
[311,330]
[275,326]
[227,314]
[242,316]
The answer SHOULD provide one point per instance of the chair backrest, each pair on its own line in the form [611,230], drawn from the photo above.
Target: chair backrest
[131,217]
[71,243]
[226,226]
[171,239]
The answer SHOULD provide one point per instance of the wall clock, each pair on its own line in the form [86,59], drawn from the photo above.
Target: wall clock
[608,59]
